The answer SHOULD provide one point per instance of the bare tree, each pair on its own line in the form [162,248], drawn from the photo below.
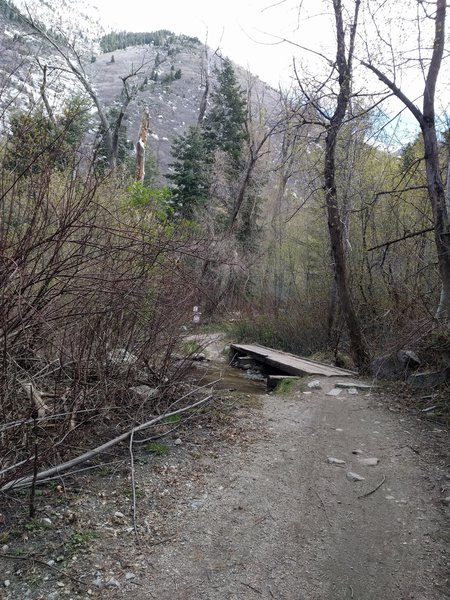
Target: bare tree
[140,146]
[332,122]
[427,121]
[205,79]
[344,60]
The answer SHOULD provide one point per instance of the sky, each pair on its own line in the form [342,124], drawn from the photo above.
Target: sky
[247,31]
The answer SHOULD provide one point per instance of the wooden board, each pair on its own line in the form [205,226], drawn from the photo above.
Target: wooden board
[289,363]
[352,384]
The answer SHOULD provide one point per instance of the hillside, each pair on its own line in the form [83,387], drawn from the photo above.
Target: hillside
[169,82]
[173,105]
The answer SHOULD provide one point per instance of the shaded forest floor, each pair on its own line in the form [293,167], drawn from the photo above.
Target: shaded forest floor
[245,502]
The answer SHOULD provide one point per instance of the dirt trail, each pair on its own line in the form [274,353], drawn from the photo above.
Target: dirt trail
[247,506]
[279,522]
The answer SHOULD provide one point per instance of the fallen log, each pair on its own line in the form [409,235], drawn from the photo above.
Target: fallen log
[58,469]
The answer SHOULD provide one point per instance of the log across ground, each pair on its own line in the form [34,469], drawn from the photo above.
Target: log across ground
[289,363]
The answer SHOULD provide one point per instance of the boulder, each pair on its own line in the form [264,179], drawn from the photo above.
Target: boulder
[409,359]
[395,366]
[429,379]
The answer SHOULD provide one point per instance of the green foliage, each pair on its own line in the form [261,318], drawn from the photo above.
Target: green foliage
[37,525]
[191,347]
[151,168]
[285,385]
[158,449]
[119,40]
[80,539]
[172,420]
[191,172]
[225,122]
[248,228]
[172,76]
[157,200]
[37,141]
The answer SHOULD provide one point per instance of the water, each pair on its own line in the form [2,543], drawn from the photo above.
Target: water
[231,379]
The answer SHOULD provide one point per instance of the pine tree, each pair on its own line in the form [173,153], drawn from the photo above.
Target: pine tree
[190,172]
[225,123]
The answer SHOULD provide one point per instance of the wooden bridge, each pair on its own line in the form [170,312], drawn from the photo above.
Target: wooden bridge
[288,363]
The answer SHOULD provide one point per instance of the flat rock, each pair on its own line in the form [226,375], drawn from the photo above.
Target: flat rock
[334,392]
[369,462]
[354,476]
[335,461]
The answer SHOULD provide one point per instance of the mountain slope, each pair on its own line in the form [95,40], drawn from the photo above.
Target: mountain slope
[169,81]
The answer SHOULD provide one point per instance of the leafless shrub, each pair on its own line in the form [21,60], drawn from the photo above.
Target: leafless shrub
[92,302]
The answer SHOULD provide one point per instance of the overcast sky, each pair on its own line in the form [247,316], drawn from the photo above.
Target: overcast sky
[243,29]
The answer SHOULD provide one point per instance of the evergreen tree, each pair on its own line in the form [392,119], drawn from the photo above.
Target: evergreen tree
[190,172]
[37,142]
[225,123]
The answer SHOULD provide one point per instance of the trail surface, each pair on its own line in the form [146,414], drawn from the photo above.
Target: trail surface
[279,521]
[245,503]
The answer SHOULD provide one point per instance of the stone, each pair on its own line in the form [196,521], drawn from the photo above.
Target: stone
[408,359]
[387,367]
[335,461]
[354,476]
[369,462]
[112,583]
[98,582]
[315,385]
[334,392]
[429,379]
[355,385]
[178,442]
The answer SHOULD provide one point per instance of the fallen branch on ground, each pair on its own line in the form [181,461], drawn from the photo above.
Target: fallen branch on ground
[34,559]
[374,489]
[133,487]
[27,481]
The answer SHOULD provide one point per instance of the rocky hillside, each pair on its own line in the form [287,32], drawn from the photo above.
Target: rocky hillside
[169,80]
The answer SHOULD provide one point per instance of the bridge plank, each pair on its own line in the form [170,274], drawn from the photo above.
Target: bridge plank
[290,363]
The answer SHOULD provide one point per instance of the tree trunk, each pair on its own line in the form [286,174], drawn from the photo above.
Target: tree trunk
[140,147]
[205,95]
[359,350]
[436,193]
[358,346]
